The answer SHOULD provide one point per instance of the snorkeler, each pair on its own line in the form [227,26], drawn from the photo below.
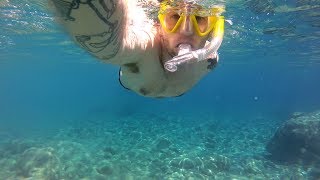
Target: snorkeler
[162,58]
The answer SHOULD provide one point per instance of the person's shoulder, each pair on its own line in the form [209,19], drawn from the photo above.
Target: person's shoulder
[113,31]
[97,26]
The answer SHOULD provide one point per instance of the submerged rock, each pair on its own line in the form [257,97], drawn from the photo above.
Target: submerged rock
[38,163]
[162,143]
[297,140]
[106,170]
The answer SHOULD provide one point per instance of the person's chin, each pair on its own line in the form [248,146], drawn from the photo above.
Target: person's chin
[173,53]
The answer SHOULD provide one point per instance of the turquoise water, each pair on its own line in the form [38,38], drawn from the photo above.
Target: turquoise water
[64,115]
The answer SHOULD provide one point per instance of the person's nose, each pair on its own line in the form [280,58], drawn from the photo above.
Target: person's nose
[187,27]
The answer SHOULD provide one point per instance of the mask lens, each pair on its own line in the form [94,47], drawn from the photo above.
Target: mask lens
[203,23]
[171,19]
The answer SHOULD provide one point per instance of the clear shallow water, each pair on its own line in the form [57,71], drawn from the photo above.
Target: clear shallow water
[59,103]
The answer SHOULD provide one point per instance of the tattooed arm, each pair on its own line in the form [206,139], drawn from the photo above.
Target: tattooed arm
[106,28]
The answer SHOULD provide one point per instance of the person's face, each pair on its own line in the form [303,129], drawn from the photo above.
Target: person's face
[185,34]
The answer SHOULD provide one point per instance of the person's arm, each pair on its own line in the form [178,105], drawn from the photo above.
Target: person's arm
[111,30]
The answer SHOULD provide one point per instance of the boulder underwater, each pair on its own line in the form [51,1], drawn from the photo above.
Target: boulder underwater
[297,141]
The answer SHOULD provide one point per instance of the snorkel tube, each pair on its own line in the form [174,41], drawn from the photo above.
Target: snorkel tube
[185,54]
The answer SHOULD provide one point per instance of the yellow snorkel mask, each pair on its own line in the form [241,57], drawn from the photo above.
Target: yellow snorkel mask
[204,21]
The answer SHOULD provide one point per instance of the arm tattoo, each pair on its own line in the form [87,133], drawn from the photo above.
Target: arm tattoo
[104,10]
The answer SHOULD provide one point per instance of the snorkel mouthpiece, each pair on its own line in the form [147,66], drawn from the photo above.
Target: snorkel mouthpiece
[185,54]
[182,57]
[184,48]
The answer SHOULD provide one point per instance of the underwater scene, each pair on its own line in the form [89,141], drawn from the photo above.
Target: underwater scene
[64,114]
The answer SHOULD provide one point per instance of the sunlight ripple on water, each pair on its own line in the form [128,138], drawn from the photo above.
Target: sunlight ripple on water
[260,27]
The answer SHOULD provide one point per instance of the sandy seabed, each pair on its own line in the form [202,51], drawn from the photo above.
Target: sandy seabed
[148,146]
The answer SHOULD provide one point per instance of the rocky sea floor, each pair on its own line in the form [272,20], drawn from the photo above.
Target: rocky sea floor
[149,146]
